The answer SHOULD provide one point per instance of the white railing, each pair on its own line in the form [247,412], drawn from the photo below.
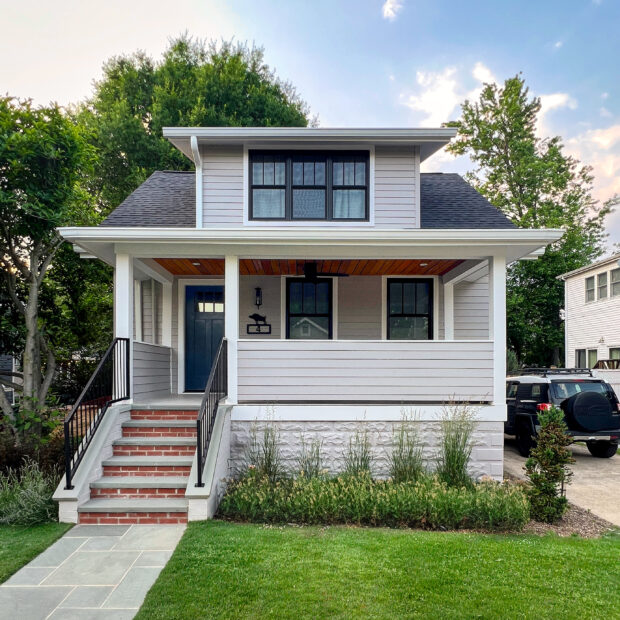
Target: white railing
[365,370]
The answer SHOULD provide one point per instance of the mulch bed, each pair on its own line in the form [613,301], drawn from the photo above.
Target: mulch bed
[576,521]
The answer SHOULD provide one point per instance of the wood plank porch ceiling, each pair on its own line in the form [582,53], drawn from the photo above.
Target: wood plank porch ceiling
[276,267]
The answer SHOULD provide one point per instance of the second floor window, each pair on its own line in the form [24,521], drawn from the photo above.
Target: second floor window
[590,289]
[615,282]
[309,186]
[602,285]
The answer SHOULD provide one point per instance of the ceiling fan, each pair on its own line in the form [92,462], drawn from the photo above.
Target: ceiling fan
[312,274]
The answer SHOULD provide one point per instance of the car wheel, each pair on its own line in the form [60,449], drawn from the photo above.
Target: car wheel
[602,449]
[525,443]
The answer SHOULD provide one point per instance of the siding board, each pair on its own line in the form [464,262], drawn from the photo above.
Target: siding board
[151,371]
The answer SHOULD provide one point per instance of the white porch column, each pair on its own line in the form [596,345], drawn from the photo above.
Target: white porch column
[166,314]
[123,296]
[231,320]
[448,310]
[497,325]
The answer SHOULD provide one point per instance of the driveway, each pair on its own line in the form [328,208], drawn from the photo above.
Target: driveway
[595,484]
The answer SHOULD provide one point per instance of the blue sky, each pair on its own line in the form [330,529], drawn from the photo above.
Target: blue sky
[358,63]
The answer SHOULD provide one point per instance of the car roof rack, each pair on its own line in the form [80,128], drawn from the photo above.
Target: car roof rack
[556,371]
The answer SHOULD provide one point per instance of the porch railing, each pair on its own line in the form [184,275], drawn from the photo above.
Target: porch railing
[216,389]
[107,385]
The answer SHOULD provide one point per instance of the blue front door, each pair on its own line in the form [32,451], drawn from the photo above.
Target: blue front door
[204,330]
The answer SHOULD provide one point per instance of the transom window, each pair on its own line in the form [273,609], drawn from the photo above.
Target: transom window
[410,309]
[309,309]
[309,185]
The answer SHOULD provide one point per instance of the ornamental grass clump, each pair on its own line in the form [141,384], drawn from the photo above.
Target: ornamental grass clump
[310,459]
[358,457]
[405,461]
[360,500]
[457,426]
[263,454]
[547,467]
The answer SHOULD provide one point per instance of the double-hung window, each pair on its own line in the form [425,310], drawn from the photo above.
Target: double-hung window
[602,285]
[580,358]
[590,294]
[410,309]
[309,186]
[615,282]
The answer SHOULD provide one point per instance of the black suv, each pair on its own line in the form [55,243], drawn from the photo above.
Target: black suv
[590,406]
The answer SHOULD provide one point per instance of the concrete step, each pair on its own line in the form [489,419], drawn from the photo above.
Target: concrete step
[159,423]
[155,441]
[139,487]
[159,428]
[164,414]
[154,446]
[147,465]
[121,511]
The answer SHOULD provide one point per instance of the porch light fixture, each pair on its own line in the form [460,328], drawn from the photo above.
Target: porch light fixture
[196,263]
[258,296]
[423,264]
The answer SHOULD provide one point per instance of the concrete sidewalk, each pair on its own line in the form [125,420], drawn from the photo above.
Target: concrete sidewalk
[595,482]
[93,571]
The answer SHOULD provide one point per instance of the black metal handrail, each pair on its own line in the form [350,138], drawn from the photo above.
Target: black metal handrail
[108,384]
[216,389]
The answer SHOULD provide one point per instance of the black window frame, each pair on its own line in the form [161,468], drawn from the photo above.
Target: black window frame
[330,314]
[329,157]
[431,304]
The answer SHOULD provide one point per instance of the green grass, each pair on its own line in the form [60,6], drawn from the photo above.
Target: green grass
[225,570]
[19,545]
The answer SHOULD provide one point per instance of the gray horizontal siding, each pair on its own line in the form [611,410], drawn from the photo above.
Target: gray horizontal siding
[151,371]
[471,307]
[364,370]
[222,174]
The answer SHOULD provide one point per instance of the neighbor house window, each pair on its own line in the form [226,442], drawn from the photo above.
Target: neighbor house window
[602,285]
[309,185]
[614,353]
[580,358]
[308,309]
[615,282]
[592,358]
[410,309]
[590,289]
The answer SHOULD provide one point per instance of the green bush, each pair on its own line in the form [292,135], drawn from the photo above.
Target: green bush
[457,427]
[405,461]
[358,457]
[263,453]
[547,467]
[358,499]
[310,459]
[26,496]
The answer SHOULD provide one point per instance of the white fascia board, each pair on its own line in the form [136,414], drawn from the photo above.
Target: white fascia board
[614,258]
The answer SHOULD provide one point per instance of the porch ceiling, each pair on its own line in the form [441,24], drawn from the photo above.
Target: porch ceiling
[278,267]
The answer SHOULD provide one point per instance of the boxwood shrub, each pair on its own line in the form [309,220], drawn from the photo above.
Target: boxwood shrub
[359,499]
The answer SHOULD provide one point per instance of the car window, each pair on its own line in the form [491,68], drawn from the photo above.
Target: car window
[524,391]
[536,390]
[511,390]
[566,389]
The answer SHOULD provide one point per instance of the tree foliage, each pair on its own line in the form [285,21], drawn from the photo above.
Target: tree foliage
[536,184]
[195,84]
[43,159]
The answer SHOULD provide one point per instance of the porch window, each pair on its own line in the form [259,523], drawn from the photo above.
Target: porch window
[309,185]
[410,309]
[308,309]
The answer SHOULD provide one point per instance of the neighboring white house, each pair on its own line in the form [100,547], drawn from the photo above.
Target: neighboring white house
[382,291]
[592,313]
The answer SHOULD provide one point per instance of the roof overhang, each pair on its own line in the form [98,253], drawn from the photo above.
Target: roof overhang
[428,140]
[610,260]
[310,242]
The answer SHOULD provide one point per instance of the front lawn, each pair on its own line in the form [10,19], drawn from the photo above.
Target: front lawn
[19,545]
[226,570]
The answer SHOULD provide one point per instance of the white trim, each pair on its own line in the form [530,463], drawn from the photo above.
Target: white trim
[166,314]
[199,180]
[309,224]
[448,311]
[283,309]
[436,284]
[231,321]
[181,284]
[352,413]
[137,310]
[497,326]
[151,344]
[153,270]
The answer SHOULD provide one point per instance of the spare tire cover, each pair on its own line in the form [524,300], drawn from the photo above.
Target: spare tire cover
[589,411]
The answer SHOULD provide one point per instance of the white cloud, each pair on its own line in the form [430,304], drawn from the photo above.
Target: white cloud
[391,8]
[605,113]
[558,44]
[604,96]
[548,103]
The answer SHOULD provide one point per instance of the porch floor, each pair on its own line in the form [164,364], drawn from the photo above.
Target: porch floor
[173,401]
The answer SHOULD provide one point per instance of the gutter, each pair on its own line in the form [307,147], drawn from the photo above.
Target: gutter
[198,164]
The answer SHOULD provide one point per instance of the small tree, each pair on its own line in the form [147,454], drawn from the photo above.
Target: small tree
[547,467]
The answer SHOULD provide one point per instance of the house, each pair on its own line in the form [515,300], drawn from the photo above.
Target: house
[378,290]
[592,313]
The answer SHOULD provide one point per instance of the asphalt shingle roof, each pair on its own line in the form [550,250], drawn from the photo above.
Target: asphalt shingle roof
[168,199]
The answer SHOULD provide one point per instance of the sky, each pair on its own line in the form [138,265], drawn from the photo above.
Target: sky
[373,63]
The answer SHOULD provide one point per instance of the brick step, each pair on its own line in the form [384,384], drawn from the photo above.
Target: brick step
[159,428]
[164,414]
[139,487]
[154,446]
[127,511]
[147,466]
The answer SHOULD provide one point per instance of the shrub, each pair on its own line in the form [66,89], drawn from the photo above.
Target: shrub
[547,467]
[26,496]
[457,426]
[358,499]
[263,453]
[358,457]
[405,460]
[49,453]
[310,460]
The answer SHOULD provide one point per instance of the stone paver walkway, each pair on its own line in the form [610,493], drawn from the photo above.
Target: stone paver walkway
[101,572]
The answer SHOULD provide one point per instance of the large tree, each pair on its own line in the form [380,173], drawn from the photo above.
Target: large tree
[536,184]
[194,84]
[43,159]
